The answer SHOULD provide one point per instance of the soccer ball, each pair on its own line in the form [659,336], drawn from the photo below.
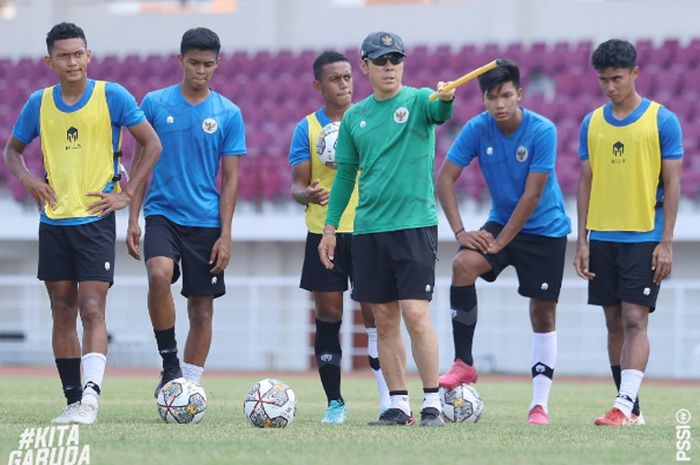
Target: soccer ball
[270,403]
[326,142]
[461,404]
[182,401]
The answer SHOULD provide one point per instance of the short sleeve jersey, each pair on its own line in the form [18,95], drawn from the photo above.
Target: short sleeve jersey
[194,138]
[506,162]
[123,112]
[671,141]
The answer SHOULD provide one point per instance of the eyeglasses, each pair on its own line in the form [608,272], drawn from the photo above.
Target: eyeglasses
[394,58]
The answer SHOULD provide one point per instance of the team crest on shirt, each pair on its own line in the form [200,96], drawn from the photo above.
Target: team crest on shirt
[401,115]
[521,153]
[210,125]
[170,119]
[489,151]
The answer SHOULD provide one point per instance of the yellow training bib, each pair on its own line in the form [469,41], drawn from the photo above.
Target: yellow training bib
[626,165]
[78,152]
[316,214]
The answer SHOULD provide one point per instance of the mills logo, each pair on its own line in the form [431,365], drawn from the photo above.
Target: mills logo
[72,139]
[618,152]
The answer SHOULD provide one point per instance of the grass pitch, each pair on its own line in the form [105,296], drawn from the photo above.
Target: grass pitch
[129,431]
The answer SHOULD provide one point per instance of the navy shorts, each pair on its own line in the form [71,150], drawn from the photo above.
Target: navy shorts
[395,265]
[189,245]
[83,252]
[623,274]
[538,262]
[315,276]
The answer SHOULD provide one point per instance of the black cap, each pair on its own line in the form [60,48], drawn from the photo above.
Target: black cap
[381,43]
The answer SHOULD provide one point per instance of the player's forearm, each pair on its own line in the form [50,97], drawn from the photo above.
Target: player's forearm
[300,194]
[520,215]
[143,166]
[672,195]
[227,205]
[448,200]
[15,162]
[583,194]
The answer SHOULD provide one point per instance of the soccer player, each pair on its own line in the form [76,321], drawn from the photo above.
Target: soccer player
[389,138]
[526,228]
[311,181]
[628,194]
[188,222]
[79,122]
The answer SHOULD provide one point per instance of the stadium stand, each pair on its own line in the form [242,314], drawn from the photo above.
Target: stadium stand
[274,91]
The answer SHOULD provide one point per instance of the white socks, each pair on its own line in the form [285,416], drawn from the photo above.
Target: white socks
[191,372]
[543,358]
[93,371]
[400,401]
[630,380]
[382,388]
[431,399]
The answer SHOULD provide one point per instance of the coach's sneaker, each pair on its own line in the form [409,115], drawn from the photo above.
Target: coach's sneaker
[637,420]
[393,417]
[431,417]
[336,413]
[87,412]
[613,417]
[167,375]
[66,417]
[458,374]
[537,416]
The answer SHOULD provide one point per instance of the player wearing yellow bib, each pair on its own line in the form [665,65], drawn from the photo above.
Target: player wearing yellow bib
[630,151]
[79,122]
[311,183]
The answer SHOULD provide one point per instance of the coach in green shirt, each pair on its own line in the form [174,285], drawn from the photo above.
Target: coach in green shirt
[389,137]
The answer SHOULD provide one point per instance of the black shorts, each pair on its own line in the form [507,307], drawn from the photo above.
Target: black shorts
[315,277]
[83,252]
[538,262]
[395,265]
[623,274]
[190,244]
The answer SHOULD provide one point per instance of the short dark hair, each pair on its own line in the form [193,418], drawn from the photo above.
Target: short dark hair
[200,38]
[326,58]
[62,31]
[614,53]
[506,71]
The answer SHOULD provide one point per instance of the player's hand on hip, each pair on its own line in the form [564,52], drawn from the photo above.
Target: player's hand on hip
[445,96]
[581,262]
[317,194]
[40,191]
[133,237]
[220,255]
[108,203]
[326,250]
[662,261]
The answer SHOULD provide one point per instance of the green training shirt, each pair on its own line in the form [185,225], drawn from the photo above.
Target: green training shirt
[392,144]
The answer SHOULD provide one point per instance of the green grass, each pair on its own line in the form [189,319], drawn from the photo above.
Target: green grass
[129,431]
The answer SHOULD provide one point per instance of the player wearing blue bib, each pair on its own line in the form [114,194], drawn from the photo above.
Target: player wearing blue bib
[187,219]
[631,156]
[526,228]
[79,122]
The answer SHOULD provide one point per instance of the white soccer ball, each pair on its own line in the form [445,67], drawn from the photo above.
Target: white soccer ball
[270,403]
[461,404]
[182,401]
[326,142]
